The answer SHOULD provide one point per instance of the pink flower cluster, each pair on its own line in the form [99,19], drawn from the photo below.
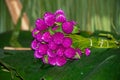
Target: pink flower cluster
[54,47]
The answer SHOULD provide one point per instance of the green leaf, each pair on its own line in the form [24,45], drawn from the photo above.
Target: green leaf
[75,30]
[101,64]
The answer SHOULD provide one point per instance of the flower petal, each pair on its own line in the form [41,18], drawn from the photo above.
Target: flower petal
[61,18]
[67,27]
[52,45]
[35,32]
[69,52]
[40,24]
[52,60]
[58,37]
[60,61]
[59,11]
[79,51]
[49,19]
[34,44]
[67,42]
[51,53]
[87,51]
[46,37]
[39,36]
[60,51]
[43,49]
[37,54]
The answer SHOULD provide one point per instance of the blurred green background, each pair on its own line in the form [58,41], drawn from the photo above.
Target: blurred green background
[91,15]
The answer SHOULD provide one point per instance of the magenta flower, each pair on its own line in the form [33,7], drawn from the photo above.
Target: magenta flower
[61,18]
[35,32]
[67,27]
[59,12]
[67,42]
[58,37]
[39,36]
[79,52]
[34,44]
[51,53]
[40,24]
[87,51]
[60,51]
[43,49]
[70,52]
[52,60]
[46,37]
[37,54]
[52,45]
[49,19]
[60,61]
[47,14]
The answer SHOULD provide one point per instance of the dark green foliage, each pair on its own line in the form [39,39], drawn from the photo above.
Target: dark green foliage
[102,64]
[24,38]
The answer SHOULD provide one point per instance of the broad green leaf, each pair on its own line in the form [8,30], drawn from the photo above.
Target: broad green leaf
[103,63]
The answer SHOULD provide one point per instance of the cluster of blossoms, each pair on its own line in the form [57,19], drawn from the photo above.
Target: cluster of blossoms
[54,48]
